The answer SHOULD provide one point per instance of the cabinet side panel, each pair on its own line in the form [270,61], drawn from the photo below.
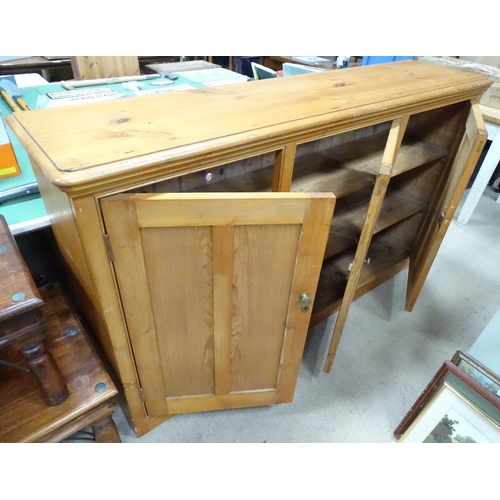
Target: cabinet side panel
[179,268]
[62,220]
[263,269]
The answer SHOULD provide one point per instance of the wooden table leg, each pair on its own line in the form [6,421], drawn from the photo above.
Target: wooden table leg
[105,431]
[45,370]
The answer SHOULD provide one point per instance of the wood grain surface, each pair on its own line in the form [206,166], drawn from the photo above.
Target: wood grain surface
[24,414]
[15,278]
[131,134]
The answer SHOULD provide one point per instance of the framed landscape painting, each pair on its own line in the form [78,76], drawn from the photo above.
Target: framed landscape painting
[477,371]
[450,418]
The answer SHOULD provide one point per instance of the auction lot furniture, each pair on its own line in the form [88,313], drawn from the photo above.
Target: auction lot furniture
[24,413]
[52,384]
[22,323]
[196,225]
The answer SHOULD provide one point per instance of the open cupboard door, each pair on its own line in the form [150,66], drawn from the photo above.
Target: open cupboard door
[443,207]
[217,291]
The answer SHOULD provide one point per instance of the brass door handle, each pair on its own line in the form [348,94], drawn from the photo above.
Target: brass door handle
[305,301]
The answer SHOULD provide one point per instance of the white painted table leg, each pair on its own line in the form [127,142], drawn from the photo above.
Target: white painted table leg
[487,168]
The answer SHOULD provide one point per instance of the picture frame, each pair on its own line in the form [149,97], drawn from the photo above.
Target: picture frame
[479,372]
[449,417]
[477,393]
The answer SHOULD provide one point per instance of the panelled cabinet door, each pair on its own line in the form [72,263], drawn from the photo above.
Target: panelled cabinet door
[212,287]
[439,218]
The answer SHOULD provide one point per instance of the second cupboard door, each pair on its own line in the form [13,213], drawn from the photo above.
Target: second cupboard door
[445,203]
[215,291]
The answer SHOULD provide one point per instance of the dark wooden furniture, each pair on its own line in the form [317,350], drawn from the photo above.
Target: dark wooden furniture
[25,416]
[52,383]
[51,68]
[22,324]
[32,64]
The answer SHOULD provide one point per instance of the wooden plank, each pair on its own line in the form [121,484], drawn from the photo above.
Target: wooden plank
[346,226]
[305,278]
[223,259]
[283,168]
[389,254]
[398,129]
[64,226]
[258,181]
[314,173]
[233,208]
[379,191]
[180,279]
[224,176]
[342,170]
[331,286]
[173,67]
[260,305]
[424,253]
[90,67]
[415,153]
[132,133]
[317,173]
[222,401]
[130,265]
[105,312]
[491,115]
[15,278]
[331,303]
[371,220]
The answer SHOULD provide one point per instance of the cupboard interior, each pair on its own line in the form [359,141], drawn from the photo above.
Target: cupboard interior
[347,164]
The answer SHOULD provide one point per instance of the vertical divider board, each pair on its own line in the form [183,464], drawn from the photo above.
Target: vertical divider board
[391,150]
[283,168]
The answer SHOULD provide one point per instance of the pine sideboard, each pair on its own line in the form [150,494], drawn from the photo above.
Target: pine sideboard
[197,227]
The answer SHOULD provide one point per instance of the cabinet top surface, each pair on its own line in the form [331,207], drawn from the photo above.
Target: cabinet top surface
[80,144]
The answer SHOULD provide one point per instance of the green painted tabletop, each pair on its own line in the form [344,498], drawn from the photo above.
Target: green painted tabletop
[22,212]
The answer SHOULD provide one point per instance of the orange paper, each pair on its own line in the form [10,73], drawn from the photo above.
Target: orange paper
[8,161]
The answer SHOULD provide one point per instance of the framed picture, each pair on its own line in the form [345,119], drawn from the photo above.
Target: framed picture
[474,390]
[479,372]
[450,418]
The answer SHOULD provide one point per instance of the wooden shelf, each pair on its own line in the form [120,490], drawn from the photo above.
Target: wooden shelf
[388,256]
[347,225]
[320,173]
[365,154]
[331,286]
[313,173]
[343,169]
[415,153]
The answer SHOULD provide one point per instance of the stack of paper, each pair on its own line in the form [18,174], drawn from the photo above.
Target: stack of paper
[213,77]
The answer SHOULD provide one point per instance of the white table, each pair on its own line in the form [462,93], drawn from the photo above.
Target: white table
[492,121]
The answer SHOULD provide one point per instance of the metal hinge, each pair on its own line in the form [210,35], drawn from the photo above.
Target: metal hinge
[141,393]
[108,248]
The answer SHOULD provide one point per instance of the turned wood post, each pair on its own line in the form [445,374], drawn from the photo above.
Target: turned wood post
[22,324]
[105,431]
[45,370]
